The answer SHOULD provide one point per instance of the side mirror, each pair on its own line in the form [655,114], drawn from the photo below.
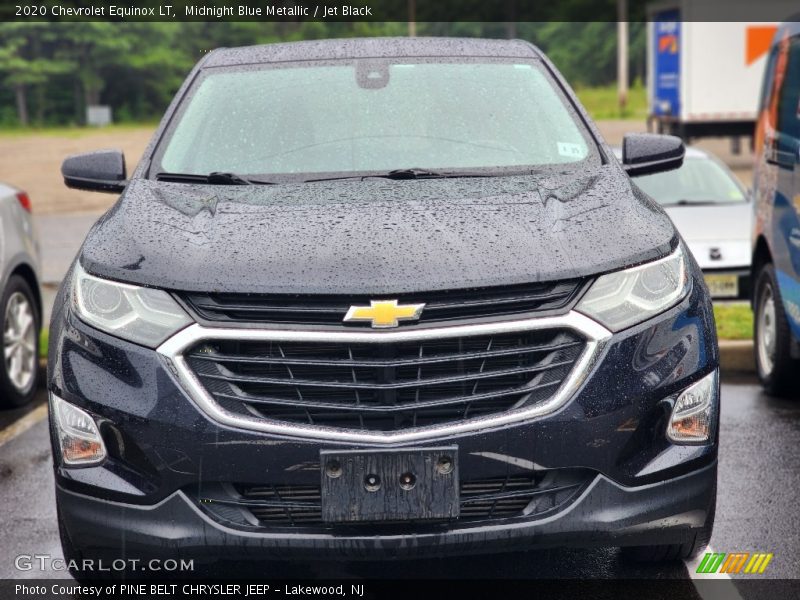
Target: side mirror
[647,153]
[101,171]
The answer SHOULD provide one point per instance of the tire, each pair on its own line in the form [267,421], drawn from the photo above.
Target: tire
[675,552]
[19,323]
[772,337]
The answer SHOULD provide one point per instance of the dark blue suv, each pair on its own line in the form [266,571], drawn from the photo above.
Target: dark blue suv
[381,298]
[776,190]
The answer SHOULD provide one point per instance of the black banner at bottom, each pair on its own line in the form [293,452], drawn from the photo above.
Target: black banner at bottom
[407,589]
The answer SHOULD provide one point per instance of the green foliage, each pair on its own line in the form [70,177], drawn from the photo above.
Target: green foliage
[26,63]
[602,102]
[734,321]
[51,71]
[145,128]
[586,52]
[44,339]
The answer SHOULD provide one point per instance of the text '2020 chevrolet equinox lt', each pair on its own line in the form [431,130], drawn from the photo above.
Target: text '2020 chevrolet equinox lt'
[381,298]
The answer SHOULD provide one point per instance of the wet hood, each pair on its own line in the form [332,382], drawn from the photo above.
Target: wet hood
[376,235]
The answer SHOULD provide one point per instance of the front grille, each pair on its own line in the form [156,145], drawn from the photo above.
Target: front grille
[383,386]
[440,306]
[533,495]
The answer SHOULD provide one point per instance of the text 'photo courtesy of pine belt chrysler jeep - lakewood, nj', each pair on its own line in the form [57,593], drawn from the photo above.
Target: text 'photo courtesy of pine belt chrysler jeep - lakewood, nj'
[382,298]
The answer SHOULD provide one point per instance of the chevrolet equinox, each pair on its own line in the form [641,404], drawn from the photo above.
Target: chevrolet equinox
[381,298]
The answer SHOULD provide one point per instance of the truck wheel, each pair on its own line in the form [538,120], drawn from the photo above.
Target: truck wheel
[19,323]
[776,368]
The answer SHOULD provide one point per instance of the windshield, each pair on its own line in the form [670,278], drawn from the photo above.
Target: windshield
[698,181]
[373,116]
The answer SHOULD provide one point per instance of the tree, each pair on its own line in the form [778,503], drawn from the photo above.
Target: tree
[94,47]
[24,63]
[51,71]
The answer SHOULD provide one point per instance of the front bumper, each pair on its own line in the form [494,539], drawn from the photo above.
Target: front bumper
[606,514]
[145,497]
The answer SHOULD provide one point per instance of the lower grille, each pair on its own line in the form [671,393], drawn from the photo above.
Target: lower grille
[533,495]
[378,386]
[285,504]
[513,496]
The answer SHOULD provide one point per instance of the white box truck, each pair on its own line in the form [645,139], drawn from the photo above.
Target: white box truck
[704,78]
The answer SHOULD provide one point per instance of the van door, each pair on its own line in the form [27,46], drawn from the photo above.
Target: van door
[783,150]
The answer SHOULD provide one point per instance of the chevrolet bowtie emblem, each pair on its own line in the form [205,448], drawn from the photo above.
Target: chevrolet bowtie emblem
[384,313]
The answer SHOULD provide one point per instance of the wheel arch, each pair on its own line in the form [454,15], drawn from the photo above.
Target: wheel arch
[761,256]
[25,271]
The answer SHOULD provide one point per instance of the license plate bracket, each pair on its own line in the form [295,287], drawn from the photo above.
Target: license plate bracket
[408,484]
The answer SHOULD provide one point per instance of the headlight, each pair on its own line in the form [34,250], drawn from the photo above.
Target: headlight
[619,300]
[142,315]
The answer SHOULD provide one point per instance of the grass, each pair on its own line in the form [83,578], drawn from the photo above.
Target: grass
[72,131]
[602,102]
[734,321]
[44,337]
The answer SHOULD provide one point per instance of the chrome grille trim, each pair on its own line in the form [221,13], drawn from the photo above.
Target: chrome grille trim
[172,352]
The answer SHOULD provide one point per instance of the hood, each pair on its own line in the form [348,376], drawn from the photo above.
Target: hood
[718,236]
[375,235]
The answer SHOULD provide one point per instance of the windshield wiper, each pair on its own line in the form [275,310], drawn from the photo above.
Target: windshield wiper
[214,178]
[693,203]
[412,173]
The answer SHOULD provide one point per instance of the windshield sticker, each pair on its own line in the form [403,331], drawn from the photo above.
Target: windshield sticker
[570,150]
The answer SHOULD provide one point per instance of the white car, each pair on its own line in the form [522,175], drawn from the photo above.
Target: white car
[712,212]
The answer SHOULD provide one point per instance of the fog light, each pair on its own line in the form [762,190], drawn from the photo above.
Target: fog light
[692,420]
[78,437]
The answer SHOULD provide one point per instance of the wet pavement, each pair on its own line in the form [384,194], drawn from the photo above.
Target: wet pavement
[756,510]
[60,238]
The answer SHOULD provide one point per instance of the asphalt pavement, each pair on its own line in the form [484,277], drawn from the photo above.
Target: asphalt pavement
[60,238]
[756,510]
